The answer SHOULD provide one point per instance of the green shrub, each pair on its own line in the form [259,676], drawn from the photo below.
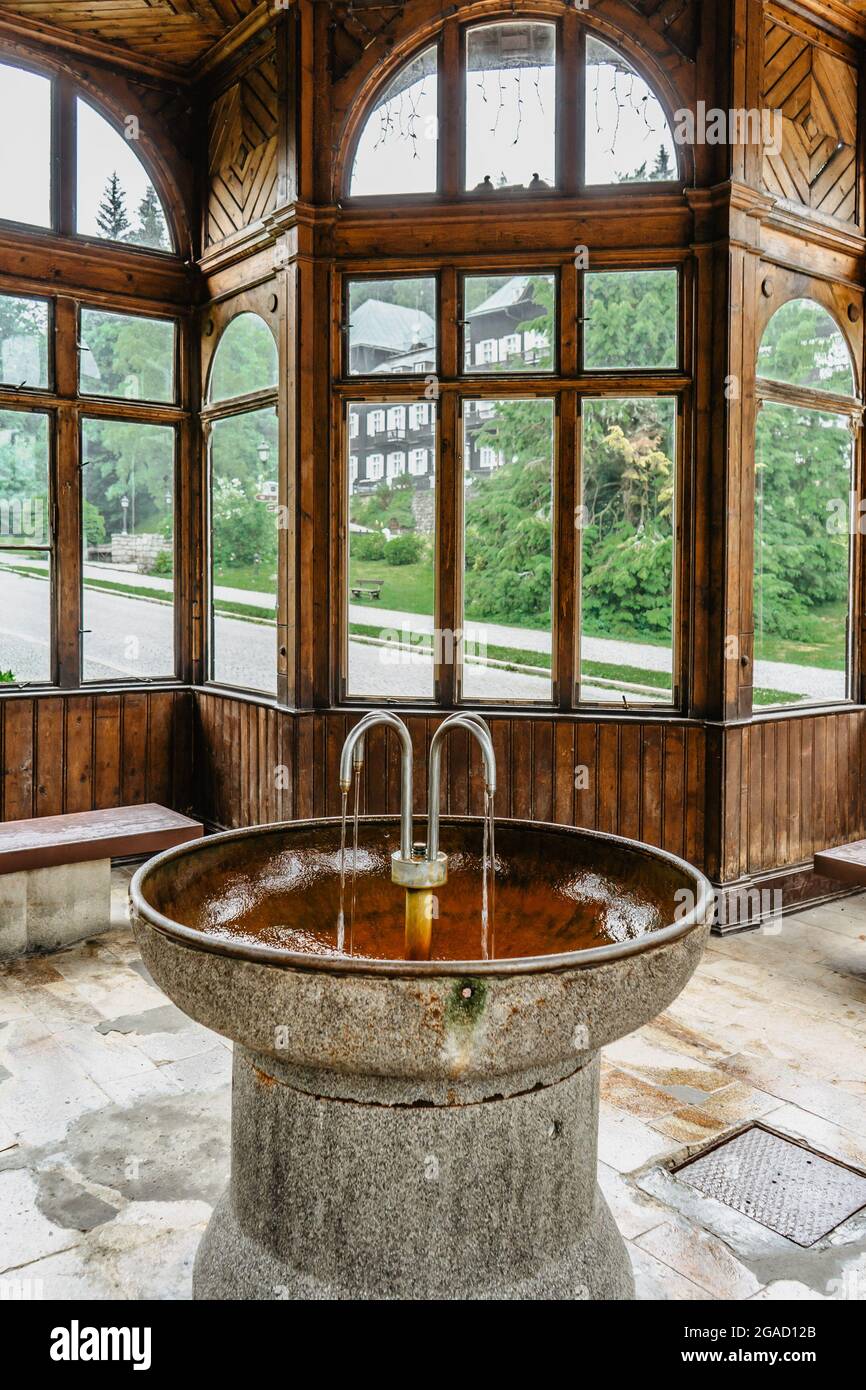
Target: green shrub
[404,550]
[368,546]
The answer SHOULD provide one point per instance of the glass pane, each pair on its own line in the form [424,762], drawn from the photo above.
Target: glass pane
[392,326]
[509,323]
[804,346]
[391,557]
[25,163]
[628,138]
[632,320]
[627,520]
[508,549]
[244,539]
[24,458]
[25,616]
[399,146]
[245,360]
[124,356]
[803,479]
[116,199]
[127,550]
[511,106]
[23,341]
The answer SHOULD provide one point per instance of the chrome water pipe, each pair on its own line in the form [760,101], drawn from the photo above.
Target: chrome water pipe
[476,726]
[352,760]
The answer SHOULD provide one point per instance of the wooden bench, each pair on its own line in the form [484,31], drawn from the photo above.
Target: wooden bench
[372,590]
[55,871]
[845,863]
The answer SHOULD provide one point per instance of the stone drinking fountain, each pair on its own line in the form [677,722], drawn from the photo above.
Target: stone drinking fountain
[416,1060]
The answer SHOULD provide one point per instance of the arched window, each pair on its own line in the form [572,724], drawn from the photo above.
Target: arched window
[803,524]
[25,163]
[116,200]
[245,361]
[398,148]
[108,186]
[512,79]
[627,135]
[241,419]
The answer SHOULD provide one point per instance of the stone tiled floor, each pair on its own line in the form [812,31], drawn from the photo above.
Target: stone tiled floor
[114,1116]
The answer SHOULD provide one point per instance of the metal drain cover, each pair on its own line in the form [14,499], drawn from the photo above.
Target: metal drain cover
[780,1184]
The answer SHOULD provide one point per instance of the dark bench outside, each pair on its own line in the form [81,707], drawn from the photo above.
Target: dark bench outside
[372,589]
[55,871]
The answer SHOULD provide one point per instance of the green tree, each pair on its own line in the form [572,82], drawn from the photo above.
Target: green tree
[111,216]
[151,230]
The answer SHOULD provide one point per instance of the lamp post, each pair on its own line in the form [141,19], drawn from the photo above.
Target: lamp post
[264,452]
[124,502]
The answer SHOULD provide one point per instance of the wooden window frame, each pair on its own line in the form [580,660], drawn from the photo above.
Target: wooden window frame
[211,413]
[844,407]
[571,31]
[567,388]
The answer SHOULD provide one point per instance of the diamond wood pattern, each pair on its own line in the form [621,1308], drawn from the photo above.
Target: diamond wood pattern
[816,92]
[678,20]
[175,31]
[242,144]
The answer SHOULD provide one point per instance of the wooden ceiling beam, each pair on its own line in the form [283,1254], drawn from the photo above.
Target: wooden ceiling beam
[15,26]
[225,48]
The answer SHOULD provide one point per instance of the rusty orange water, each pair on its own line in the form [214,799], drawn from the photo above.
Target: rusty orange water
[555,893]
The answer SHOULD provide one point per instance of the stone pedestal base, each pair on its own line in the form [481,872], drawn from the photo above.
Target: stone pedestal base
[42,909]
[348,1199]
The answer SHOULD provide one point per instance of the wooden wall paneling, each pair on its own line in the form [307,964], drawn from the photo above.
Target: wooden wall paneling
[695,849]
[49,744]
[674,801]
[815,86]
[587,789]
[18,759]
[630,781]
[607,773]
[79,752]
[243,164]
[542,770]
[107,750]
[652,799]
[564,772]
[134,750]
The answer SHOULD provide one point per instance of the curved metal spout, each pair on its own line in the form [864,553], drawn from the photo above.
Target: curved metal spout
[474,725]
[353,758]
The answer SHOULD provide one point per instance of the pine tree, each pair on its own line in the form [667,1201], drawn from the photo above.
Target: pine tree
[663,170]
[151,230]
[111,218]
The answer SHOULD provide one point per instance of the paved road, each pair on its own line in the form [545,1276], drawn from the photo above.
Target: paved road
[133,637]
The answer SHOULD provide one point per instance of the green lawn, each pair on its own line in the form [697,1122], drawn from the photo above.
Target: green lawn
[255,577]
[408,588]
[822,643]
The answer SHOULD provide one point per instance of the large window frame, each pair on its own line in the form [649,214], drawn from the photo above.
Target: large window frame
[63,200]
[212,412]
[843,407]
[567,386]
[67,408]
[571,33]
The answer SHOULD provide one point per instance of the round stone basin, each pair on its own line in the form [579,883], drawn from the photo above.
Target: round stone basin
[409,1129]
[273,895]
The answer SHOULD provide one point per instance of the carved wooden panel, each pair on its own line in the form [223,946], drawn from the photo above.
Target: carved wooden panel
[242,145]
[678,20]
[816,91]
[355,24]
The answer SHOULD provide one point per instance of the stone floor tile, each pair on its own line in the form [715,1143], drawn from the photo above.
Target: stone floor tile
[701,1258]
